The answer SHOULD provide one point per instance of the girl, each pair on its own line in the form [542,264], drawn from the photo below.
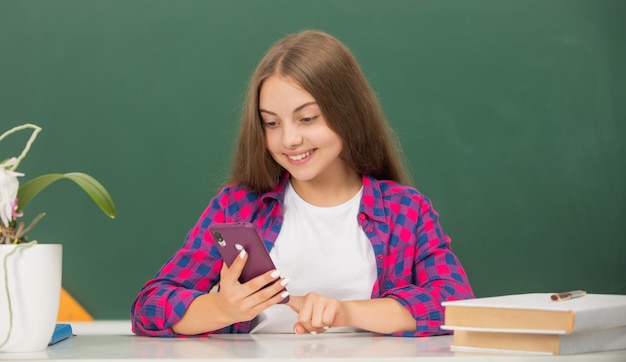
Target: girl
[318,173]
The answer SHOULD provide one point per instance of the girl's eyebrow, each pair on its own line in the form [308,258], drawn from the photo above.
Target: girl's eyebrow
[297,109]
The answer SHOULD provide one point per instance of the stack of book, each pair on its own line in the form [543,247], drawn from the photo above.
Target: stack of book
[536,323]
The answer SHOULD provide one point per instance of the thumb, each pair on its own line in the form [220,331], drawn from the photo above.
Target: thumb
[295,303]
[232,273]
[298,328]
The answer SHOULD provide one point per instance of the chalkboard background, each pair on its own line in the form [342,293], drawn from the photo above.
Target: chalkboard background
[511,114]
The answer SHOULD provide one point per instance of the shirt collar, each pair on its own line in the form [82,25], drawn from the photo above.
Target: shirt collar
[278,193]
[371,201]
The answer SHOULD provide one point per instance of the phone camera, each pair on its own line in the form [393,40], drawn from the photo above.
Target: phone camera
[218,237]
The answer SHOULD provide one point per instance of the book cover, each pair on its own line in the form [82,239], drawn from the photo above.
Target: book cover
[551,344]
[61,331]
[536,313]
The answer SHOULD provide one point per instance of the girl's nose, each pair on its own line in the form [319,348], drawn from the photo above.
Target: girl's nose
[291,136]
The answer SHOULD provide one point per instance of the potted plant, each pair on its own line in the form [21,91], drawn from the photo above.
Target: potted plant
[30,273]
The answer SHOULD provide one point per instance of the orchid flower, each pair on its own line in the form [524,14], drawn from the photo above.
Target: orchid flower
[9,185]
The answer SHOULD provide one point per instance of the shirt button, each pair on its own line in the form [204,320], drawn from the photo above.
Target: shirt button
[369,230]
[380,256]
[362,216]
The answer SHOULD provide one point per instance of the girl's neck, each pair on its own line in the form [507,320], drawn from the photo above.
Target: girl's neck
[329,191]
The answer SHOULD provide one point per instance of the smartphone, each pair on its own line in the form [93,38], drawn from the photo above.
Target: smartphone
[231,238]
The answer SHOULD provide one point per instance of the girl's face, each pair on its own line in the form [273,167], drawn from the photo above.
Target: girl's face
[296,133]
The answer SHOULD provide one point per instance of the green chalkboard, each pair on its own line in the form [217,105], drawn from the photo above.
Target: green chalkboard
[512,116]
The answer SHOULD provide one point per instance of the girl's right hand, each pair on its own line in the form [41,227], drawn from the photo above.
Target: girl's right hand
[242,302]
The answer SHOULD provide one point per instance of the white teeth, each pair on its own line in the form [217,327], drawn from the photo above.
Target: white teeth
[300,156]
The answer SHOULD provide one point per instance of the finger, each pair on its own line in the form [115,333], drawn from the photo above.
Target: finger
[265,290]
[323,316]
[298,328]
[305,312]
[318,330]
[305,315]
[328,318]
[273,291]
[317,316]
[264,280]
[284,293]
[258,303]
[295,303]
[233,272]
[275,299]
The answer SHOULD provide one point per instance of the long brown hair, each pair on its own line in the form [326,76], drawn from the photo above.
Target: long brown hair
[324,67]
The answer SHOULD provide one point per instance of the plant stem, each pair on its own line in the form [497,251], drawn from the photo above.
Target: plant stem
[33,136]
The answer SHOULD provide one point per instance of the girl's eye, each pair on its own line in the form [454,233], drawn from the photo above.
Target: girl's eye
[269,124]
[309,119]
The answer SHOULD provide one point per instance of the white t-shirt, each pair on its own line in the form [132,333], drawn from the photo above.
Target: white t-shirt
[321,250]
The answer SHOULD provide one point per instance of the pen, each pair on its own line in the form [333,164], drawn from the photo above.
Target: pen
[559,297]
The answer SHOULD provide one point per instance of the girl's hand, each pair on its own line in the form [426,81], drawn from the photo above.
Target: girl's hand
[317,313]
[242,302]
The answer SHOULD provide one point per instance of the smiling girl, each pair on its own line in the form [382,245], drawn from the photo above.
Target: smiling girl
[318,172]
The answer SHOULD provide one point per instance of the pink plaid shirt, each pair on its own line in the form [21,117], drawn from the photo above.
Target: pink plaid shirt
[414,262]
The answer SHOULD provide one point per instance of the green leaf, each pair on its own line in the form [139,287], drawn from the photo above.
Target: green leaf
[92,187]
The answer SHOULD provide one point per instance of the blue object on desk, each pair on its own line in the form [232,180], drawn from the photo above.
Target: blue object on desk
[61,331]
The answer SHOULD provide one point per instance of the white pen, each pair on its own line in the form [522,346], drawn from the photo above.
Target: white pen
[559,297]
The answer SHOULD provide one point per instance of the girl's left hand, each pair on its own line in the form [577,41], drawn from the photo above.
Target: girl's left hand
[317,313]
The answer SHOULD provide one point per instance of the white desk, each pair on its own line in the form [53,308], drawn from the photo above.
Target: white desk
[113,341]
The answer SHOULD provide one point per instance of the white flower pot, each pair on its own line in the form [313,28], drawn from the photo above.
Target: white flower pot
[34,287]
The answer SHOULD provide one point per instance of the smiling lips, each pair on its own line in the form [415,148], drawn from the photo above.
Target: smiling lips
[301,156]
